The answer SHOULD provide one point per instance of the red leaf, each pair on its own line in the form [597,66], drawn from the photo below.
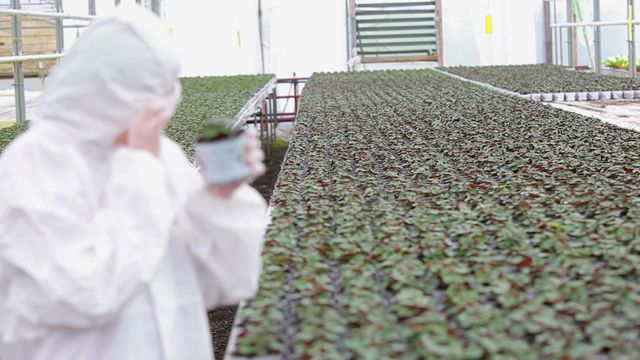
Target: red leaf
[526,262]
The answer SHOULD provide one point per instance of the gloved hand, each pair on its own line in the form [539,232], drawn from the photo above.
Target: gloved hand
[253,157]
[146,128]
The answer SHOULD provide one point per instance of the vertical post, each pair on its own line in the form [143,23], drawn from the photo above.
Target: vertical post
[117,2]
[156,7]
[59,29]
[275,108]
[547,32]
[597,37]
[18,74]
[273,116]
[296,97]
[439,33]
[92,7]
[354,27]
[631,39]
[347,15]
[559,42]
[261,36]
[263,121]
[571,31]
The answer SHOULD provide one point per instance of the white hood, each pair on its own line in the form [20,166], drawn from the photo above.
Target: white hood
[118,65]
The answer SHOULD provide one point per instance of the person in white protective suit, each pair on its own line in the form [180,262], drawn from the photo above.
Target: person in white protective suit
[111,245]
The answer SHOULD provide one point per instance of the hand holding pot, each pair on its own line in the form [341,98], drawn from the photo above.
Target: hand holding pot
[252,157]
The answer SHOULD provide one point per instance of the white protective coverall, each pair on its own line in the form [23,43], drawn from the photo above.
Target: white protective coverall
[107,252]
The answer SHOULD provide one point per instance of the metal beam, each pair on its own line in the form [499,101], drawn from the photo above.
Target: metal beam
[400,4]
[631,39]
[41,14]
[22,58]
[597,37]
[396,20]
[395,52]
[595,23]
[347,25]
[396,28]
[18,73]
[92,7]
[397,44]
[399,36]
[548,41]
[570,35]
[260,36]
[156,7]
[394,12]
[59,28]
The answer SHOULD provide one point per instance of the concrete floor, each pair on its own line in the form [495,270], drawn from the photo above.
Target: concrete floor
[33,87]
[622,113]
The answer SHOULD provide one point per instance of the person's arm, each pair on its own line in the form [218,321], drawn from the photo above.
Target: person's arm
[222,227]
[77,269]
[224,236]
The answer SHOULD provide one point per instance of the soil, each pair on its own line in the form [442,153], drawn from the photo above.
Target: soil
[221,319]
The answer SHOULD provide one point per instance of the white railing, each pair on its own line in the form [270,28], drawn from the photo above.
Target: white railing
[48,15]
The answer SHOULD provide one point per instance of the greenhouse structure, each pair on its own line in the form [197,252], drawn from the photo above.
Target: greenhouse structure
[445,179]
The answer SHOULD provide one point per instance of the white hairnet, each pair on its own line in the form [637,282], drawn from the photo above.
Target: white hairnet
[117,66]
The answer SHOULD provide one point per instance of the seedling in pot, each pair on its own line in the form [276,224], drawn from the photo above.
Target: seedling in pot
[214,131]
[220,152]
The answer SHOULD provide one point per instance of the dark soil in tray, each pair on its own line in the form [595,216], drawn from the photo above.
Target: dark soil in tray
[221,319]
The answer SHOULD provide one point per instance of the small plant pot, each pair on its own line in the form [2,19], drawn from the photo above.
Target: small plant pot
[628,94]
[637,94]
[616,95]
[221,159]
[547,97]
[605,95]
[593,95]
[582,96]
[570,96]
[558,97]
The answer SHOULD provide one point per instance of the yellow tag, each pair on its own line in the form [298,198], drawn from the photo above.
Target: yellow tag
[239,38]
[488,21]
[630,26]
[170,29]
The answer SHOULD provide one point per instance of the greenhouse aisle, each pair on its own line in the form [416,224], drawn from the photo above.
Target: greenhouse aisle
[622,113]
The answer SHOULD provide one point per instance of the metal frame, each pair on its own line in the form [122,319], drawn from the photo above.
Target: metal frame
[18,58]
[570,25]
[18,73]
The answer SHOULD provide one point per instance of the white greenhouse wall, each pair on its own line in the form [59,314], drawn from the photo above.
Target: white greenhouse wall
[215,37]
[305,36]
[221,37]
[515,38]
